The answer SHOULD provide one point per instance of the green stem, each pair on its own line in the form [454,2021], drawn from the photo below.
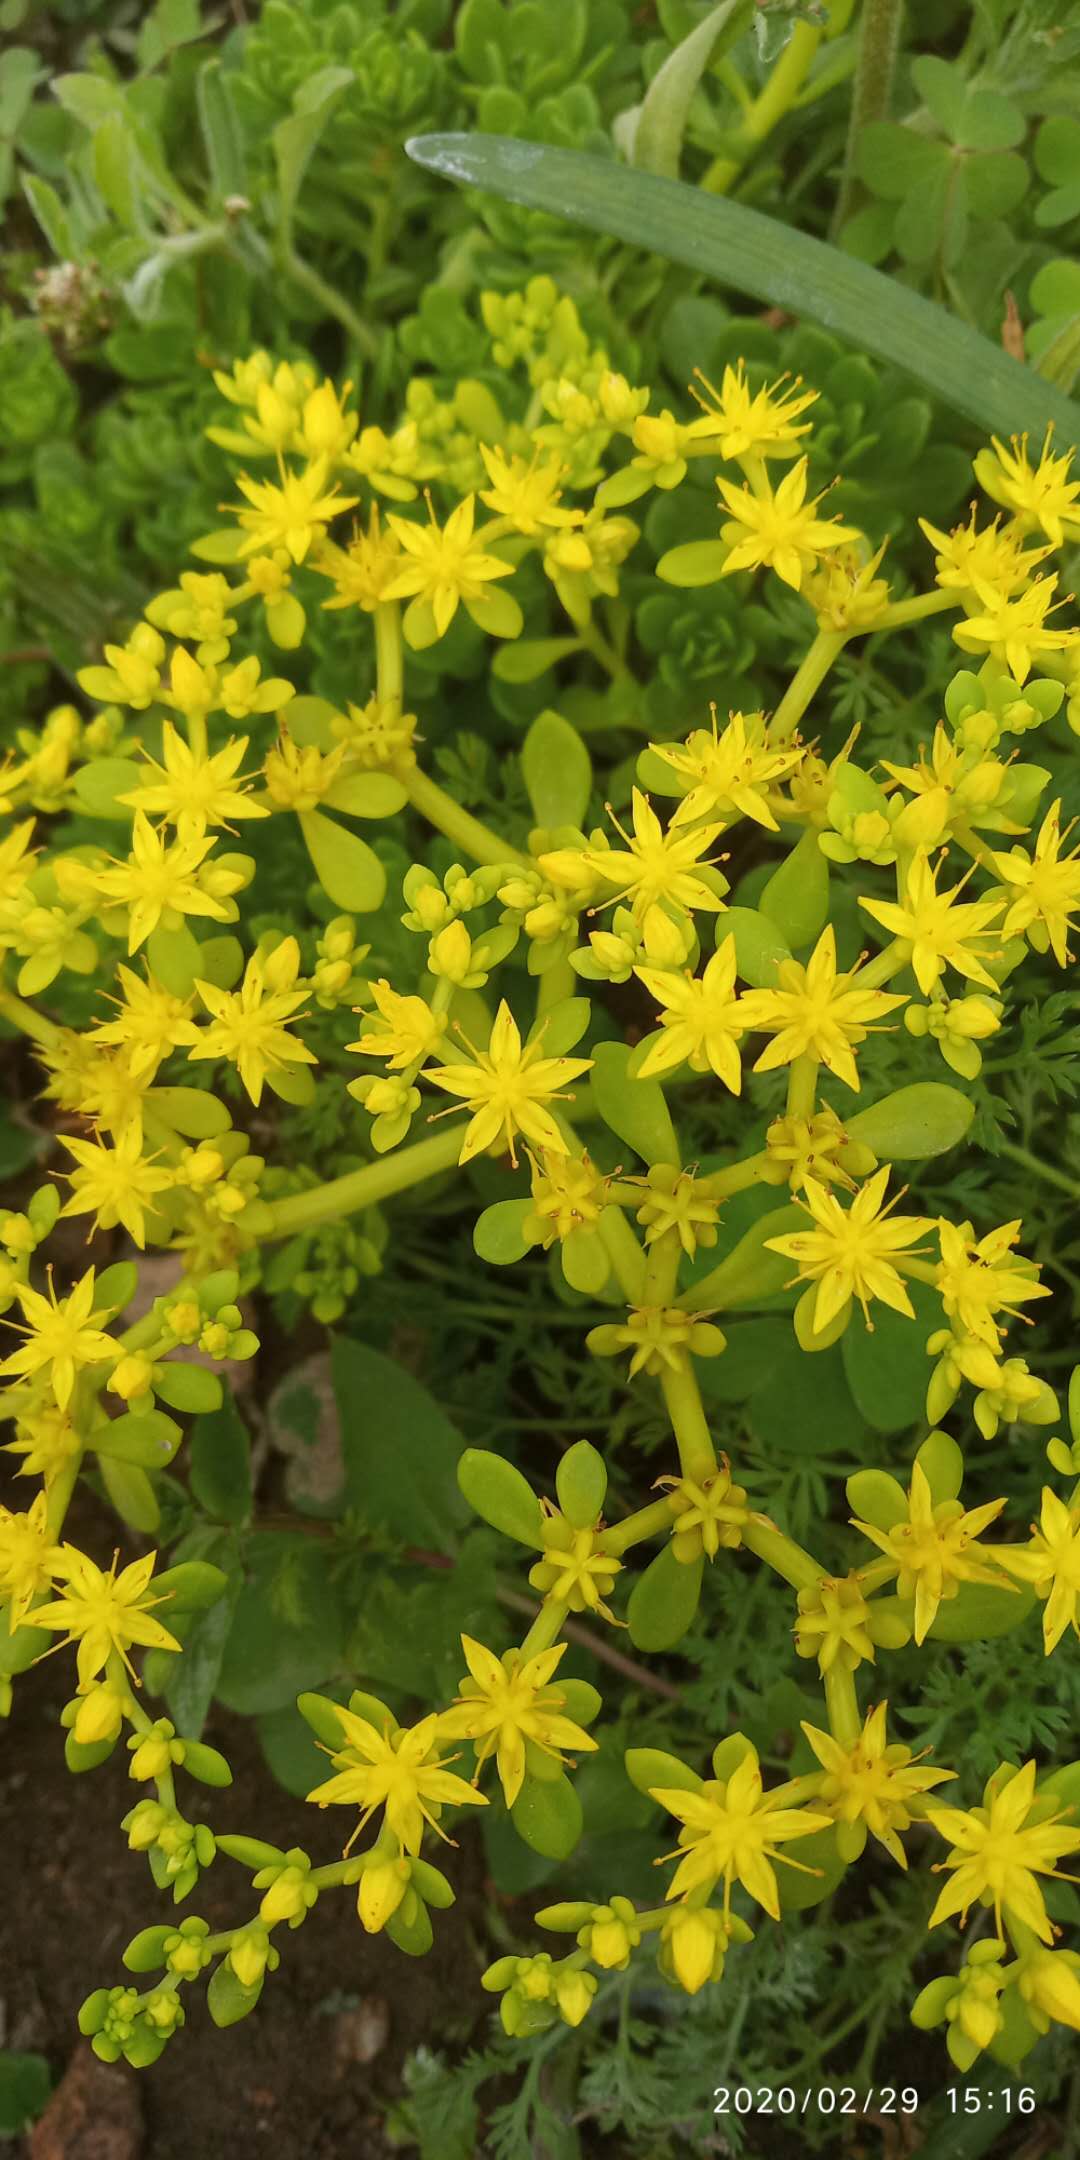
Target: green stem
[762,1538]
[842,1705]
[335,1875]
[466,832]
[808,678]
[682,1395]
[29,1022]
[59,1500]
[624,1253]
[802,1087]
[775,99]
[721,1184]
[648,1522]
[879,44]
[546,1628]
[333,302]
[1039,1169]
[362,1188]
[887,963]
[389,655]
[902,612]
[553,985]
[596,643]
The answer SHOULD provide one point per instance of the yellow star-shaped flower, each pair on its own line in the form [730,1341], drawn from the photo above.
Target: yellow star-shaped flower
[934,1548]
[998,1849]
[939,929]
[729,769]
[816,1012]
[507,1088]
[102,1611]
[1043,888]
[701,1017]
[399,1770]
[507,1704]
[60,1338]
[778,528]
[448,566]
[854,1252]
[732,1831]
[870,1786]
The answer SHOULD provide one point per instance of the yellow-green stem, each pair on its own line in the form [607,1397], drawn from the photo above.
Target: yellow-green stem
[648,1522]
[389,656]
[362,1188]
[24,1017]
[553,985]
[59,1496]
[807,679]
[624,1253]
[720,1184]
[661,1269]
[915,610]
[889,962]
[780,1552]
[546,1628]
[682,1395]
[802,1087]
[467,833]
[842,1706]
[776,98]
[596,643]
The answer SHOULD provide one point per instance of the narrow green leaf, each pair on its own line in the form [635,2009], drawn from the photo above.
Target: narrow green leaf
[294,138]
[654,136]
[221,133]
[758,255]
[54,222]
[115,167]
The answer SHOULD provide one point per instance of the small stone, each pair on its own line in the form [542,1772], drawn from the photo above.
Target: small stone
[360,2033]
[94,2114]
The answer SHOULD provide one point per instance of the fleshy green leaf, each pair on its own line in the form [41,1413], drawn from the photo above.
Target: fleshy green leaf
[760,945]
[547,1816]
[400,1448]
[980,1611]
[635,1110]
[220,128]
[294,138]
[664,1600]
[497,1234]
[557,769]
[500,1495]
[796,897]
[653,1771]
[349,872]
[527,658]
[914,1123]
[581,1483]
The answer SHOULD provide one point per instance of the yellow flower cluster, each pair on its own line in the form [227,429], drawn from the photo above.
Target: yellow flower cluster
[722,967]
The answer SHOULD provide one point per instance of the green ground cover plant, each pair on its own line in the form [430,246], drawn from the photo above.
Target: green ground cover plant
[537,840]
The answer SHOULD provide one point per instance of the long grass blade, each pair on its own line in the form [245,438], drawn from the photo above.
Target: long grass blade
[758,255]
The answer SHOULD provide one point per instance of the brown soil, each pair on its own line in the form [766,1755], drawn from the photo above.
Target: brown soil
[304,2076]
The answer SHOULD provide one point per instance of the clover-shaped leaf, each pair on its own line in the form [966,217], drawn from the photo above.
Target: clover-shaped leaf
[973,119]
[1057,156]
